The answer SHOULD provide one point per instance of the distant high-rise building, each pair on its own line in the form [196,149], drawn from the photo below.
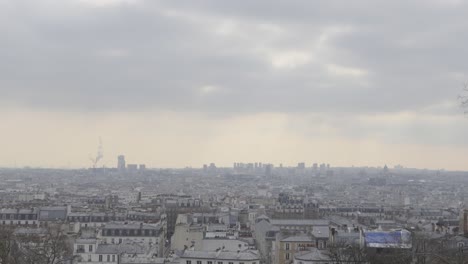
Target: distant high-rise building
[315,167]
[268,169]
[301,165]
[121,162]
[142,167]
[323,166]
[212,167]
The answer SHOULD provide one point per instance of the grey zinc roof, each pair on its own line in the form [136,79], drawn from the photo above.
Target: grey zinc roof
[85,241]
[299,222]
[30,231]
[8,211]
[221,255]
[298,239]
[78,214]
[116,225]
[120,248]
[27,211]
[321,232]
[54,208]
[312,255]
[142,260]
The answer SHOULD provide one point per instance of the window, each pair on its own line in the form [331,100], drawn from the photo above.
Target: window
[198,261]
[80,249]
[287,246]
[287,256]
[90,248]
[231,262]
[220,262]
[210,262]
[100,258]
[108,258]
[189,262]
[113,258]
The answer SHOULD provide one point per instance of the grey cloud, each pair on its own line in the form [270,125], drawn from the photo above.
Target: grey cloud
[138,56]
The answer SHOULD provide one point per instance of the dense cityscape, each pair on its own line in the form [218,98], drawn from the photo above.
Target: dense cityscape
[249,213]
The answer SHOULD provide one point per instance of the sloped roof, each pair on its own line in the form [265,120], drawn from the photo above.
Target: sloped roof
[220,255]
[312,255]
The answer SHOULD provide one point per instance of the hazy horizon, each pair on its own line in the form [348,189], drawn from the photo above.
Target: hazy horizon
[179,83]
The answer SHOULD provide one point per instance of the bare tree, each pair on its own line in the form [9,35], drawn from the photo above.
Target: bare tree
[342,252]
[6,244]
[464,97]
[48,247]
[35,246]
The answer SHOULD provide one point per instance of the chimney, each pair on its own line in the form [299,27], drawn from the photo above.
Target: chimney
[332,235]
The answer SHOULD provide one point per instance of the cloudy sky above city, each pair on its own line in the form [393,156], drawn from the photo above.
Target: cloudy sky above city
[183,83]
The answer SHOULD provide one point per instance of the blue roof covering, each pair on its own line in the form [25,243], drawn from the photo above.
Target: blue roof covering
[392,239]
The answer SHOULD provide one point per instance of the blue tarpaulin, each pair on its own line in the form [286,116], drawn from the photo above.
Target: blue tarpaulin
[391,239]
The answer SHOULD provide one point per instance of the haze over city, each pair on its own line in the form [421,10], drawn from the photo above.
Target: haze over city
[179,83]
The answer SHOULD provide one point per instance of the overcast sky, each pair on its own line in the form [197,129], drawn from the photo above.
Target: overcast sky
[183,83]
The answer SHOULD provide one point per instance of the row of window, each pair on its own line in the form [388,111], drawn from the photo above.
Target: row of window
[18,216]
[108,259]
[114,241]
[81,248]
[297,227]
[305,246]
[129,232]
[94,219]
[19,222]
[212,262]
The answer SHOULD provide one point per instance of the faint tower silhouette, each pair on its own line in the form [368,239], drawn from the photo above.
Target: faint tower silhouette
[121,162]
